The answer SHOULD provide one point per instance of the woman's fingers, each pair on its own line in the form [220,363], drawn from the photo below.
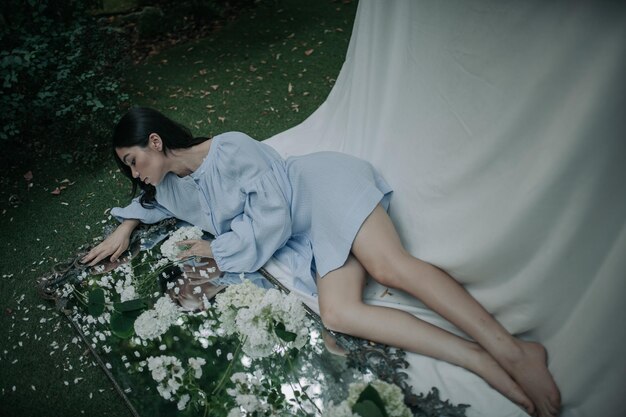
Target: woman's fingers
[188,242]
[191,272]
[93,254]
[98,258]
[187,253]
[117,253]
[114,245]
[100,252]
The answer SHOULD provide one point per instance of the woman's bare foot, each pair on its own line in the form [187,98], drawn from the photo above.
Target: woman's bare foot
[529,369]
[485,366]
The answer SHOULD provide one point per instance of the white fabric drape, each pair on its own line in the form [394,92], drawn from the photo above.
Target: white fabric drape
[501,127]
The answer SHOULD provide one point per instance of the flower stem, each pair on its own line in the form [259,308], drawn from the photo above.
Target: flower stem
[302,391]
[80,297]
[220,385]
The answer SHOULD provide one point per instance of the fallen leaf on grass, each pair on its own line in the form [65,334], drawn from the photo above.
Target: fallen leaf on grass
[58,190]
[308,52]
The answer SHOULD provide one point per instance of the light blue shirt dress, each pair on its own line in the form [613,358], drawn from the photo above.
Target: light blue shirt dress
[305,210]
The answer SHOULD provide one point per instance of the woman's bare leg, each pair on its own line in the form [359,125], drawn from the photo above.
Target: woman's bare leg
[378,248]
[342,310]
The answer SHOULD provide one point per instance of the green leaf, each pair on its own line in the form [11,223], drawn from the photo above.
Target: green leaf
[122,325]
[285,335]
[368,409]
[131,305]
[370,394]
[95,304]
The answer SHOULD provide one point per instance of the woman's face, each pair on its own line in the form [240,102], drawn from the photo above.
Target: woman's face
[147,164]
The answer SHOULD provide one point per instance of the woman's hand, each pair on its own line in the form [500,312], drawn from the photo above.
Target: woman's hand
[197,247]
[114,245]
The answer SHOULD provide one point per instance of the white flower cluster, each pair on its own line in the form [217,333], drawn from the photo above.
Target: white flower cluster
[391,395]
[124,287]
[205,334]
[170,249]
[153,323]
[196,364]
[250,396]
[252,312]
[169,372]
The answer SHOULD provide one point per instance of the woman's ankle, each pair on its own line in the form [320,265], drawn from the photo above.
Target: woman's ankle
[519,354]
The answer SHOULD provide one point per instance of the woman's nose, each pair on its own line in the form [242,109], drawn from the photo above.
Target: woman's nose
[135,174]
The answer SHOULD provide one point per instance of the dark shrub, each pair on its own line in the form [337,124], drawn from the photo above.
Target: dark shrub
[59,77]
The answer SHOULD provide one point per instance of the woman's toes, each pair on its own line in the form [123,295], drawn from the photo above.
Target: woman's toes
[530,409]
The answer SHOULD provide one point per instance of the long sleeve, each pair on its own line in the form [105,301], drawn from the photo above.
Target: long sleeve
[262,228]
[260,223]
[136,211]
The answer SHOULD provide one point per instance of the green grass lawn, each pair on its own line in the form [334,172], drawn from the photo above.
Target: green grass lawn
[261,74]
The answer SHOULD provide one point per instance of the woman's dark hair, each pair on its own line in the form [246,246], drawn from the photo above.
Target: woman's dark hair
[135,127]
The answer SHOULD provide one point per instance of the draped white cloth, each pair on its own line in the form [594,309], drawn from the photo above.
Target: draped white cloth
[501,127]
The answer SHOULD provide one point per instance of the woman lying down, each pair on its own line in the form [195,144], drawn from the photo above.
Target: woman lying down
[326,215]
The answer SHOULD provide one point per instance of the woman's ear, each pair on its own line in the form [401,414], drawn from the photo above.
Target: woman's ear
[155,142]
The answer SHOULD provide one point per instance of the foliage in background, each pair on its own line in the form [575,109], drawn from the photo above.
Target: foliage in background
[154,25]
[59,78]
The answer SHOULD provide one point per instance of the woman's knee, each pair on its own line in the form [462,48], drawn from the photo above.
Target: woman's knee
[338,316]
[389,270]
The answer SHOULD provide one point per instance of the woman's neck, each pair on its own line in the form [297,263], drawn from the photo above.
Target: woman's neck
[186,160]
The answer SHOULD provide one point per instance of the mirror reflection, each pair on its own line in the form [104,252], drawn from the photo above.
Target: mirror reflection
[177,336]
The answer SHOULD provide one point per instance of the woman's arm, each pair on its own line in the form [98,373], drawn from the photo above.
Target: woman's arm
[251,202]
[130,217]
[114,245]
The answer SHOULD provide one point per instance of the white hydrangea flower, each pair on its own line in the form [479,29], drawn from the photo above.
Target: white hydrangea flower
[340,410]
[147,325]
[168,372]
[249,394]
[170,249]
[155,322]
[166,309]
[235,412]
[239,378]
[251,403]
[196,364]
[391,395]
[128,293]
[182,403]
[242,313]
